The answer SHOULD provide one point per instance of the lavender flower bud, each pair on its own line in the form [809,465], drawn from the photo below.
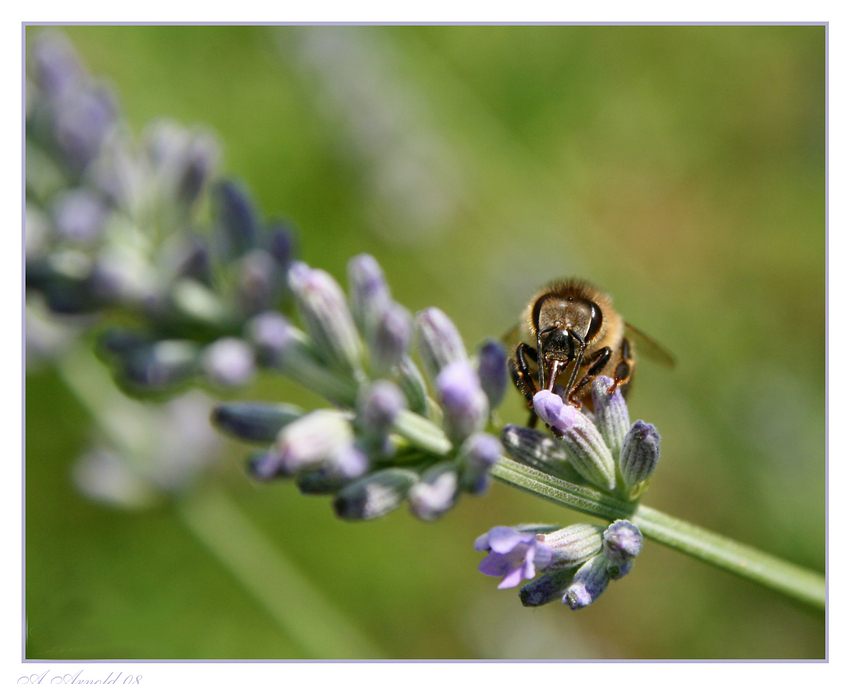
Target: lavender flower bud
[228,362]
[439,341]
[238,225]
[79,215]
[348,464]
[319,482]
[622,544]
[265,466]
[464,402]
[254,421]
[378,405]
[281,344]
[610,413]
[281,243]
[413,385]
[578,436]
[161,365]
[193,260]
[370,295]
[270,334]
[478,454]
[493,371]
[57,66]
[121,341]
[375,495]
[574,545]
[199,162]
[535,449]
[313,440]
[588,584]
[641,453]
[83,122]
[435,494]
[552,410]
[514,554]
[196,300]
[257,280]
[390,338]
[546,588]
[325,314]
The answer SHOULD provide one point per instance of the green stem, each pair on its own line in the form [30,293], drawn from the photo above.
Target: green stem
[792,580]
[802,584]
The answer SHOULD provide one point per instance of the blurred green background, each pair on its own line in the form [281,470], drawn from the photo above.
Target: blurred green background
[680,168]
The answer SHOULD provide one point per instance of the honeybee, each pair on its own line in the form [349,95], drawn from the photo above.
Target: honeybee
[571,334]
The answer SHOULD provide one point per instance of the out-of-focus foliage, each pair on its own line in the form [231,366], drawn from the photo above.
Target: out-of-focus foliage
[680,168]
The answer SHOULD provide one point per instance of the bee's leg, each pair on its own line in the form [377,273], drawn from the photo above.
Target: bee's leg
[523,377]
[598,361]
[625,367]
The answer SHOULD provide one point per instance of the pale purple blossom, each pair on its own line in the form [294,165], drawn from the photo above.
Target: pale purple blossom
[493,371]
[229,362]
[435,494]
[464,403]
[514,555]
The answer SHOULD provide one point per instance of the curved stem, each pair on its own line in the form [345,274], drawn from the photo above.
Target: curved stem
[802,584]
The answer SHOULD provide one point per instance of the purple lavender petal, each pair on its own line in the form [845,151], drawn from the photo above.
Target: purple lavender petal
[505,539]
[482,543]
[553,411]
[494,565]
[513,578]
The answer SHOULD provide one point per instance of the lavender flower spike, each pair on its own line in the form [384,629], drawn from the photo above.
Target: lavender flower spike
[439,341]
[514,555]
[579,438]
[464,403]
[610,413]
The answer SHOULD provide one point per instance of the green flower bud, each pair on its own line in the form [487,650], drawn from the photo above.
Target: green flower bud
[610,413]
[574,545]
[588,584]
[641,453]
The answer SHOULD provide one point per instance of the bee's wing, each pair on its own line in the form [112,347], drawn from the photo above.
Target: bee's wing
[649,348]
[512,337]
